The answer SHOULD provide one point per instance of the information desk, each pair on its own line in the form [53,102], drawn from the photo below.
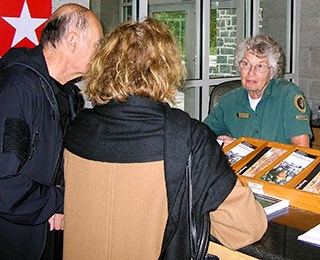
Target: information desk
[280,240]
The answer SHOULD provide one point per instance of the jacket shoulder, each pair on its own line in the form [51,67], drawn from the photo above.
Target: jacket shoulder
[187,127]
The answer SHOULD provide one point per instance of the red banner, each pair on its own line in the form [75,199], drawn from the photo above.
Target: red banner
[21,22]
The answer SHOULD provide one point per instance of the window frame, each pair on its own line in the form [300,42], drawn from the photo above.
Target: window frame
[202,85]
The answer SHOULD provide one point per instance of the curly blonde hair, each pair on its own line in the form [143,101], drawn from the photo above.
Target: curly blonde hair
[138,59]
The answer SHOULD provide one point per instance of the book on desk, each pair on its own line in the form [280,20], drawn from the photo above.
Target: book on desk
[273,206]
[312,236]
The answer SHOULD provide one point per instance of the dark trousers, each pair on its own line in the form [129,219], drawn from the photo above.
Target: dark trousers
[54,246]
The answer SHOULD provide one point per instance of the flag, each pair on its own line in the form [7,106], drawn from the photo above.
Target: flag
[21,22]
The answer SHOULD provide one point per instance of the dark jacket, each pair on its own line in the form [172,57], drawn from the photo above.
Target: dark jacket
[31,141]
[142,130]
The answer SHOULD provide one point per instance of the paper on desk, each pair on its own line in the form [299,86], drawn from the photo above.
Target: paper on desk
[220,142]
[311,236]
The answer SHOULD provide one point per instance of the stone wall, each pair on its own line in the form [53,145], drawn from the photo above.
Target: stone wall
[309,52]
[223,63]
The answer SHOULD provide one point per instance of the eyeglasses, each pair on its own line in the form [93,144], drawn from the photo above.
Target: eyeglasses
[260,67]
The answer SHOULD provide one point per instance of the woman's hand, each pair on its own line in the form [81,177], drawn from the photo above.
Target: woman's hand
[226,140]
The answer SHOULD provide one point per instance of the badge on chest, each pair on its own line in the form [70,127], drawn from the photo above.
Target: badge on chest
[243,115]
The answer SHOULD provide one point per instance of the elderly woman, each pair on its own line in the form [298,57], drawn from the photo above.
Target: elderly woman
[266,106]
[125,163]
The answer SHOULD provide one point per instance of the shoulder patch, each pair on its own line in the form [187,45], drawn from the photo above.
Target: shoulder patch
[300,103]
[16,138]
[302,117]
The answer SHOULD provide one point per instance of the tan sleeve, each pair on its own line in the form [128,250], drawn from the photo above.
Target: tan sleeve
[240,220]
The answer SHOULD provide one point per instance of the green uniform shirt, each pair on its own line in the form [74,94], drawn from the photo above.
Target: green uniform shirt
[281,114]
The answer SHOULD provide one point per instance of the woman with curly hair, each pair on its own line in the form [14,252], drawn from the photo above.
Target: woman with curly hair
[125,161]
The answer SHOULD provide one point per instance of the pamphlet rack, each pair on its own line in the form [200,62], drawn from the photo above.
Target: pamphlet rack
[282,170]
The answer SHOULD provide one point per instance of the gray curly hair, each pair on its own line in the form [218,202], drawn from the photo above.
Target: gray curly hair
[263,46]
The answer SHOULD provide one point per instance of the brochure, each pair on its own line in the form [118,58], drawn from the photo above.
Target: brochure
[262,160]
[241,150]
[289,168]
[272,204]
[311,236]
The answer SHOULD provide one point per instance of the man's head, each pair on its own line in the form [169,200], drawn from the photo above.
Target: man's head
[72,35]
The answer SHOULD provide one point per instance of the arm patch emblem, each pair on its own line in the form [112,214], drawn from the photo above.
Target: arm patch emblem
[300,103]
[16,137]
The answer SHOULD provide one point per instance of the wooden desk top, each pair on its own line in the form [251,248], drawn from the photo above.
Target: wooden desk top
[280,241]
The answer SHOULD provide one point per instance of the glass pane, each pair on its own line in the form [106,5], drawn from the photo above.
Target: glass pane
[274,21]
[226,30]
[126,7]
[192,97]
[181,19]
[176,21]
[127,13]
[180,100]
[188,100]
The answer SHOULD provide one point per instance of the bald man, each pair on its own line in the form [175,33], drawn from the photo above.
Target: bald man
[38,101]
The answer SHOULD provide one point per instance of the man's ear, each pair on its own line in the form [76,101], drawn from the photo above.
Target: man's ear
[72,41]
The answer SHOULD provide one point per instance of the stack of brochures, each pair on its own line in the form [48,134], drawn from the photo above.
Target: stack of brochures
[287,171]
[312,236]
[273,206]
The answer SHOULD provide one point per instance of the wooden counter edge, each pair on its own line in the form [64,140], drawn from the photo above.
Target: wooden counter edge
[225,253]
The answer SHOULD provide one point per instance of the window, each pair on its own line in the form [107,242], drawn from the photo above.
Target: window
[208,32]
[275,19]
[126,10]
[226,30]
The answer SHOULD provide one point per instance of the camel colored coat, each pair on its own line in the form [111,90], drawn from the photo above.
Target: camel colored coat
[119,211]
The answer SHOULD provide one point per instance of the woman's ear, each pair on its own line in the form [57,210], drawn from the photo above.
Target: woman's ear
[273,73]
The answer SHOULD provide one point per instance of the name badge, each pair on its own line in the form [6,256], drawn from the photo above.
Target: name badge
[243,115]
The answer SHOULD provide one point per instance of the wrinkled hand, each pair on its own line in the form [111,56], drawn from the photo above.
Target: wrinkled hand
[56,222]
[226,140]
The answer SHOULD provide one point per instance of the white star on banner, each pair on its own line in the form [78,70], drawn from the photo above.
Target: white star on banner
[25,26]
